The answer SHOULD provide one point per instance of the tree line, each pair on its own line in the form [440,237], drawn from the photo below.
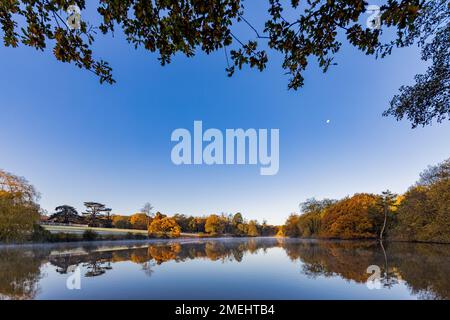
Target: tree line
[158,224]
[420,214]
[21,215]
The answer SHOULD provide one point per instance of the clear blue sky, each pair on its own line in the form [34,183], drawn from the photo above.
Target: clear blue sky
[77,140]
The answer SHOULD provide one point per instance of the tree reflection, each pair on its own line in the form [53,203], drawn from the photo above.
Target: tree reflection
[422,267]
[20,273]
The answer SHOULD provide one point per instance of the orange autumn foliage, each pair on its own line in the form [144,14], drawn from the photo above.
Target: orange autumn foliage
[164,227]
[351,218]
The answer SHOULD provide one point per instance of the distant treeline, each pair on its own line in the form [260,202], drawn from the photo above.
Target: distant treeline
[159,225]
[214,224]
[20,216]
[421,214]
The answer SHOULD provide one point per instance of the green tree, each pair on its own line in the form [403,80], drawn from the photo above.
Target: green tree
[197,224]
[183,221]
[237,222]
[95,213]
[65,214]
[237,219]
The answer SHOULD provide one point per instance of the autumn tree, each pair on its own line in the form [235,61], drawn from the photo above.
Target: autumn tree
[314,32]
[351,218]
[214,224]
[65,214]
[121,222]
[140,221]
[237,219]
[310,221]
[19,211]
[423,214]
[197,224]
[290,228]
[17,187]
[183,221]
[268,230]
[252,230]
[164,227]
[237,223]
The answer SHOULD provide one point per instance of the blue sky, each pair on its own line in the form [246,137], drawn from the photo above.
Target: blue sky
[77,140]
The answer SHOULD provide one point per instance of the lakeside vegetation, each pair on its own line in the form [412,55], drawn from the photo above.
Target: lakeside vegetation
[21,218]
[420,214]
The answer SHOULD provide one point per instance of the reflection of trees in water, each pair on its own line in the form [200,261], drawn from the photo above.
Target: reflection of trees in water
[347,259]
[96,268]
[96,263]
[20,273]
[423,267]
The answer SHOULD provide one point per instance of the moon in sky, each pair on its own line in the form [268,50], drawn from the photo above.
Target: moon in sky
[328,121]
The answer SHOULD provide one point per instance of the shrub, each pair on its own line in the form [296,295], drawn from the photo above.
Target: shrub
[40,234]
[90,235]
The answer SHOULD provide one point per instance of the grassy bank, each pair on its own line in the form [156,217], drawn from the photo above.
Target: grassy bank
[54,229]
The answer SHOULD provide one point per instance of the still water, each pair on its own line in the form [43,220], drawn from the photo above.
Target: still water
[256,268]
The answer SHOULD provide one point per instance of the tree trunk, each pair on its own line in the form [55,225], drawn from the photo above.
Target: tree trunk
[384,223]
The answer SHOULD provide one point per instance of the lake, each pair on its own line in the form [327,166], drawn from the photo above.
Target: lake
[233,268]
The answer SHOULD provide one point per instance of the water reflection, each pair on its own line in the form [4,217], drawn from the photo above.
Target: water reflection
[422,267]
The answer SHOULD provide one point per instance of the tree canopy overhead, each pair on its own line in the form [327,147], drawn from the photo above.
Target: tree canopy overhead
[171,27]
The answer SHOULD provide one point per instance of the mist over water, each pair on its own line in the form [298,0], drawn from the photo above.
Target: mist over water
[246,268]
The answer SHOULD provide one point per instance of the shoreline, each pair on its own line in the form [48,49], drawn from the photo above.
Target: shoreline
[195,239]
[109,241]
